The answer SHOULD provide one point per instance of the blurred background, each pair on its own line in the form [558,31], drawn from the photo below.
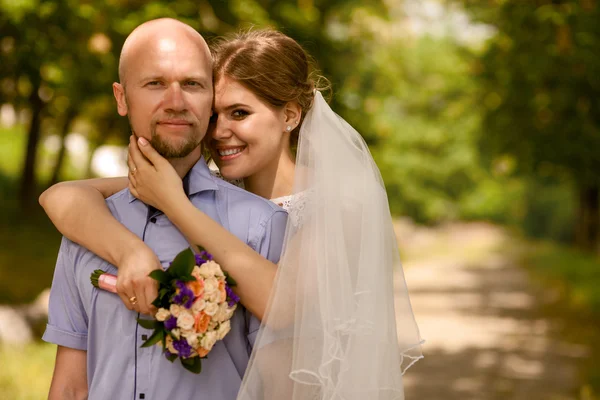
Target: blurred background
[483,116]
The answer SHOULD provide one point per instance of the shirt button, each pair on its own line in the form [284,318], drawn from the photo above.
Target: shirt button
[142,396]
[144,337]
[153,220]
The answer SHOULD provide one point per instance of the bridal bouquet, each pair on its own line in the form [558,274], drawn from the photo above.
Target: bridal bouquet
[195,303]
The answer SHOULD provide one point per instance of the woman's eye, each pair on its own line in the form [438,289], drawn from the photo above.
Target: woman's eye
[239,114]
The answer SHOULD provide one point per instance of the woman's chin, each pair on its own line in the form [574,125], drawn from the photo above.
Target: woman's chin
[230,174]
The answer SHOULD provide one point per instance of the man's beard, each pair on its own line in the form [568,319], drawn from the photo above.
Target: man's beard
[167,150]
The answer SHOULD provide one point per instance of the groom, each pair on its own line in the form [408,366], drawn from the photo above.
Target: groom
[166,91]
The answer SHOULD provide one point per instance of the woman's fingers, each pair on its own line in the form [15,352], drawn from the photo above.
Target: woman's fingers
[136,155]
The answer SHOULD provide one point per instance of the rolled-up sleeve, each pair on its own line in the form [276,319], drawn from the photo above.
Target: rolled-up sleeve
[67,318]
[269,243]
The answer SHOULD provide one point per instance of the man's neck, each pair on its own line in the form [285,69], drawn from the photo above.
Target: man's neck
[183,165]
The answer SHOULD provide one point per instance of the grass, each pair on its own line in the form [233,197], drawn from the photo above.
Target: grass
[574,273]
[26,371]
[576,277]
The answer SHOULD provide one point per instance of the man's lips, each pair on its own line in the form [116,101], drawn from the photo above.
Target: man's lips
[175,122]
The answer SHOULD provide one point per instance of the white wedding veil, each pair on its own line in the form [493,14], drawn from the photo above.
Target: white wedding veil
[338,325]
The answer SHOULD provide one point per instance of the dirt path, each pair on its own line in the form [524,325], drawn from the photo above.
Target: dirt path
[480,317]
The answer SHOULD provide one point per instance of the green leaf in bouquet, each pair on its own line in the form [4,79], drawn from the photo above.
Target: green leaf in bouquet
[161,276]
[164,292]
[193,364]
[183,264]
[230,281]
[161,303]
[156,337]
[172,357]
[148,323]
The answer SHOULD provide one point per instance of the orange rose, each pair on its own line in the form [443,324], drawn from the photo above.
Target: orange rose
[202,321]
[202,352]
[197,287]
[222,291]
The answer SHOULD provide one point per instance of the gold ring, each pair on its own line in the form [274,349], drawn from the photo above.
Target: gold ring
[133,170]
[133,300]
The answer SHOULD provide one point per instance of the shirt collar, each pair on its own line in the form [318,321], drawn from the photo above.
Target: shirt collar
[198,179]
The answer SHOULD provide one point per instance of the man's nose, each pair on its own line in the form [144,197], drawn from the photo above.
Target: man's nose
[174,100]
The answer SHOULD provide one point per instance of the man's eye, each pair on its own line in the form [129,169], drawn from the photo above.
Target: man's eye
[193,83]
[153,83]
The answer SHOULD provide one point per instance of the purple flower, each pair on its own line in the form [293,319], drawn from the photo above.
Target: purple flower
[199,259]
[171,323]
[185,296]
[182,347]
[233,298]
[206,255]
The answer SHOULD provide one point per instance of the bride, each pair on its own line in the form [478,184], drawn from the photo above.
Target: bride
[331,327]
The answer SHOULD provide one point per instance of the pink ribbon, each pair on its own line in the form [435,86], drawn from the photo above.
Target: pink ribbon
[108,282]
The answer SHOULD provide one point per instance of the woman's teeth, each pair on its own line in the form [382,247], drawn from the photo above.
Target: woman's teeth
[230,152]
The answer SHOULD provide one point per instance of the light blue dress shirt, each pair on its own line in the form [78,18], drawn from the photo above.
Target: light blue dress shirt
[83,317]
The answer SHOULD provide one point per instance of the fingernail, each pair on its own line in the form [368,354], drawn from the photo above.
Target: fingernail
[142,141]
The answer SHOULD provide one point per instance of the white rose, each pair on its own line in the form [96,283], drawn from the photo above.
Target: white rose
[210,285]
[162,314]
[205,270]
[225,313]
[198,306]
[196,272]
[185,320]
[229,313]
[214,269]
[212,325]
[214,297]
[192,339]
[223,330]
[211,309]
[209,340]
[176,310]
[177,333]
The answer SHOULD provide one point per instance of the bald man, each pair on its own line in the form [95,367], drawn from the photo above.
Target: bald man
[166,92]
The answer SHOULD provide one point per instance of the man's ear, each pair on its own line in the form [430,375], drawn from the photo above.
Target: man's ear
[292,113]
[119,92]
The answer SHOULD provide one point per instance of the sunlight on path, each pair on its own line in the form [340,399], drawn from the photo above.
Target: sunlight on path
[485,338]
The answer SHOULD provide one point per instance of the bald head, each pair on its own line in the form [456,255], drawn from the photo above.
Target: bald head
[160,34]
[166,88]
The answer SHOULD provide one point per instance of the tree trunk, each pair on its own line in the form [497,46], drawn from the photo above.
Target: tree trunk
[69,117]
[588,224]
[28,181]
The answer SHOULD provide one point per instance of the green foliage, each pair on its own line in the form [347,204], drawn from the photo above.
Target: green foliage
[575,273]
[542,84]
[26,370]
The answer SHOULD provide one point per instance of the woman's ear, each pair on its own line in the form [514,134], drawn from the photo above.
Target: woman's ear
[292,114]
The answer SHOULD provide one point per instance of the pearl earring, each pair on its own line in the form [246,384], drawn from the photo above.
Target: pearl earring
[288,128]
